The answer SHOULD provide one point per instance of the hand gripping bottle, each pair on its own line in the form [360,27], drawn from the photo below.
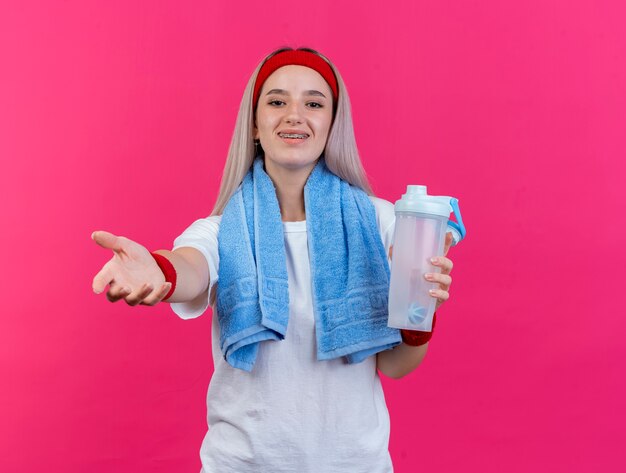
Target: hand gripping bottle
[422,221]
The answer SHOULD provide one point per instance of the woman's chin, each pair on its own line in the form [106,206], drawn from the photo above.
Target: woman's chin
[292,161]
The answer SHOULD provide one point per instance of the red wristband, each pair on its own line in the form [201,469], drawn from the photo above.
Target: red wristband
[415,338]
[168,271]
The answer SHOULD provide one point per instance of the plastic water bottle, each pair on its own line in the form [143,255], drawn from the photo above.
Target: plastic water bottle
[422,221]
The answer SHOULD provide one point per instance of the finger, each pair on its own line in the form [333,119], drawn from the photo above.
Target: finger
[107,240]
[101,280]
[442,262]
[157,295]
[116,293]
[138,295]
[443,279]
[448,243]
[439,294]
[390,251]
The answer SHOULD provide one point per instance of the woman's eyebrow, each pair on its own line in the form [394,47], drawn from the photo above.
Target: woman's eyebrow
[306,92]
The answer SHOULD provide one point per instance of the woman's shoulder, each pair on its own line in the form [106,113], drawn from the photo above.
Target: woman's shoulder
[212,221]
[382,205]
[200,229]
[385,214]
[384,208]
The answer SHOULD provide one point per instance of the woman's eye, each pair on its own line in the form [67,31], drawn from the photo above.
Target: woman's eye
[278,103]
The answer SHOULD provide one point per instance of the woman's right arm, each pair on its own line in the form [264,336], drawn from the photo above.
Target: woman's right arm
[192,273]
[132,273]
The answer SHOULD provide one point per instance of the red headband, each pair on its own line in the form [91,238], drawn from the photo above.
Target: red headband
[293,57]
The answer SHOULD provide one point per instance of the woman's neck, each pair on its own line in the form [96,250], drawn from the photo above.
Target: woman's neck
[291,202]
[289,186]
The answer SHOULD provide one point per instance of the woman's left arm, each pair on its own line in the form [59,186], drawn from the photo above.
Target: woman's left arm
[404,358]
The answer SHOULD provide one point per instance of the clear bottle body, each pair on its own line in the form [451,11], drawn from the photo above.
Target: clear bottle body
[418,237]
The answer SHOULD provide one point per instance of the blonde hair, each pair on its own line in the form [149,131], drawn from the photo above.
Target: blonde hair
[340,154]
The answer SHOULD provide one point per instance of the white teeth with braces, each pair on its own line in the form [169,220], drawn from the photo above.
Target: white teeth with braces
[291,135]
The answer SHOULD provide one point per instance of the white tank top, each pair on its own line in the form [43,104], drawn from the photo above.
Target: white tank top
[292,413]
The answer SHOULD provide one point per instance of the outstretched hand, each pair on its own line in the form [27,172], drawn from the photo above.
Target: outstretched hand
[444,279]
[132,274]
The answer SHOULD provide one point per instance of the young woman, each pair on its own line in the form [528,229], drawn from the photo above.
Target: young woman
[293,261]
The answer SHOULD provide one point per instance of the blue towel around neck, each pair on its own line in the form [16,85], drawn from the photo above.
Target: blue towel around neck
[349,270]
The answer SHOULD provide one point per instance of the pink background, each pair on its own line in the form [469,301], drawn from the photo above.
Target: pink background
[117,115]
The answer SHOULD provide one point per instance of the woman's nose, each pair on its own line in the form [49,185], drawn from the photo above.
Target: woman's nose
[293,112]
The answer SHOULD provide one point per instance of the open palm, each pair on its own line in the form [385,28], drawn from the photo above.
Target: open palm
[132,273]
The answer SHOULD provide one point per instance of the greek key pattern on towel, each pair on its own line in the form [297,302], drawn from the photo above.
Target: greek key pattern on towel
[357,306]
[241,293]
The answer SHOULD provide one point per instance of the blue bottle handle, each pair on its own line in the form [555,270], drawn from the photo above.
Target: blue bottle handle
[458,225]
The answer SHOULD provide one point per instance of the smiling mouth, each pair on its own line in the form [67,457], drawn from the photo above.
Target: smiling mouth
[296,136]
